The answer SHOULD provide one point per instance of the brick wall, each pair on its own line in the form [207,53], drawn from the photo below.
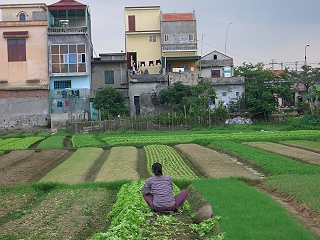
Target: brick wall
[24,93]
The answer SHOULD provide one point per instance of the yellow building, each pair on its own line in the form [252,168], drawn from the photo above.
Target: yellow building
[143,39]
[23,45]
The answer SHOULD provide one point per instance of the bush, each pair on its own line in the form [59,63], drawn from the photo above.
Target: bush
[311,120]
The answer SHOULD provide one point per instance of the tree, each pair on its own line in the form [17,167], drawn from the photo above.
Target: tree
[187,99]
[190,103]
[110,102]
[309,79]
[261,87]
[176,96]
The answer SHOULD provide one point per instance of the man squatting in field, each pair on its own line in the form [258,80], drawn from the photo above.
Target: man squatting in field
[158,194]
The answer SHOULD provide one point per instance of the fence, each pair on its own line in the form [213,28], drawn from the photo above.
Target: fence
[118,125]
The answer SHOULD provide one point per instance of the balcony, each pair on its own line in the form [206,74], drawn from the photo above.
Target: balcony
[67,30]
[189,47]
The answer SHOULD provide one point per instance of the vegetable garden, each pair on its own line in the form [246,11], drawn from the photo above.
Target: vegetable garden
[92,189]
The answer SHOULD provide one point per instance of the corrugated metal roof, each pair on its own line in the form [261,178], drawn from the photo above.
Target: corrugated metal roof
[174,17]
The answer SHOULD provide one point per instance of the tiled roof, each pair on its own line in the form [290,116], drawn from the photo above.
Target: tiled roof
[67,5]
[278,72]
[174,17]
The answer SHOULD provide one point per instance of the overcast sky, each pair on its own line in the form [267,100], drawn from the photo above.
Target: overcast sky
[260,30]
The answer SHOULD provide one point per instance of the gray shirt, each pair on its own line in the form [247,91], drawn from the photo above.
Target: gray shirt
[161,188]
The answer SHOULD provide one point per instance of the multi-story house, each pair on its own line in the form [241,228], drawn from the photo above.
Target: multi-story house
[179,42]
[70,54]
[24,95]
[217,68]
[109,70]
[142,39]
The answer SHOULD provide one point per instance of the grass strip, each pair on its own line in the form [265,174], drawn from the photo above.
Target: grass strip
[271,163]
[184,137]
[121,164]
[304,188]
[55,141]
[172,163]
[85,140]
[248,213]
[73,168]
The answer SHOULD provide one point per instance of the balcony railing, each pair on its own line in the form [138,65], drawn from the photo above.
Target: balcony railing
[68,30]
[179,47]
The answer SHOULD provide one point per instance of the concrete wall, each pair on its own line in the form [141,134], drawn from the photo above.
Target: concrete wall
[227,89]
[107,62]
[10,12]
[24,108]
[187,79]
[146,88]
[179,31]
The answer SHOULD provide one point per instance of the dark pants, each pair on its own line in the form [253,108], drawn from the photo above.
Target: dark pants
[180,198]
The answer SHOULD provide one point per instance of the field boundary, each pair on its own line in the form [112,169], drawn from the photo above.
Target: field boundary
[300,211]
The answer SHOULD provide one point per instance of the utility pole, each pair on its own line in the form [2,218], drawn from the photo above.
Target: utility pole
[201,53]
[272,64]
[225,44]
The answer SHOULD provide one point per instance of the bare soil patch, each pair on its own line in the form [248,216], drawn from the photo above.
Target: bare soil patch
[15,203]
[298,154]
[29,166]
[67,214]
[297,145]
[215,164]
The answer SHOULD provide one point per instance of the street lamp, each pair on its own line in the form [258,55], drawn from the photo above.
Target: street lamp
[225,44]
[305,54]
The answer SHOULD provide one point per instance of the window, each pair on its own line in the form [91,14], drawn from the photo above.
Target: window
[16,50]
[166,37]
[185,67]
[215,57]
[191,37]
[68,58]
[132,23]
[62,84]
[152,38]
[109,77]
[237,94]
[224,94]
[22,16]
[215,73]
